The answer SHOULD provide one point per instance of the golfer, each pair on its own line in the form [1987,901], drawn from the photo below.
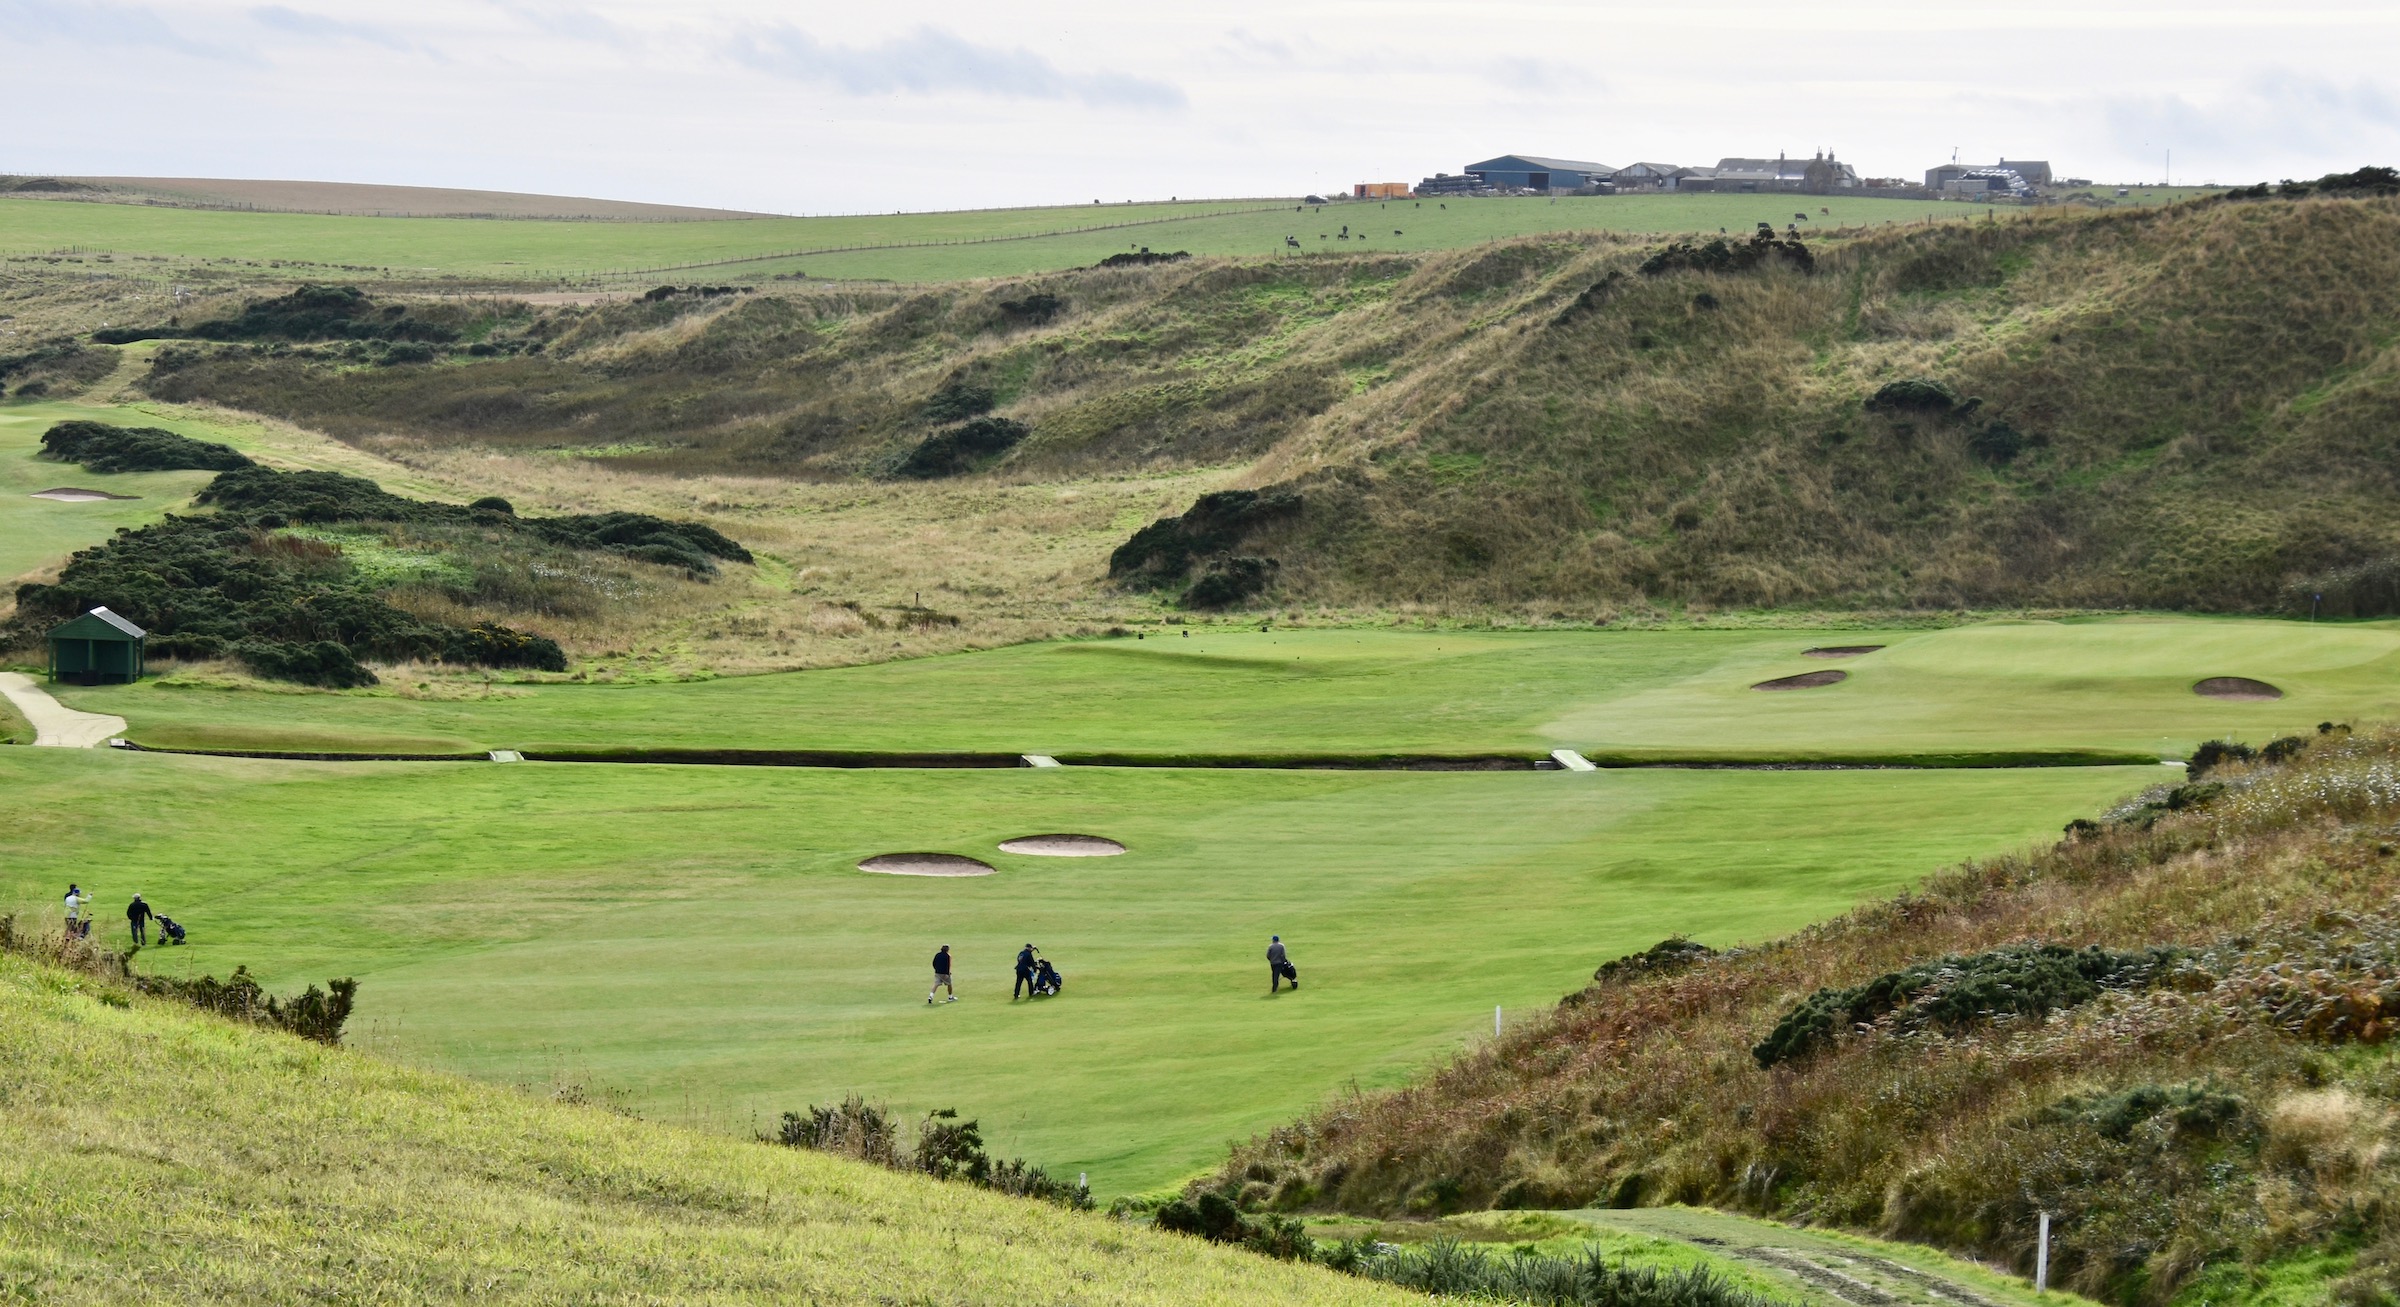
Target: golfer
[76,898]
[941,977]
[1024,983]
[137,916]
[1279,967]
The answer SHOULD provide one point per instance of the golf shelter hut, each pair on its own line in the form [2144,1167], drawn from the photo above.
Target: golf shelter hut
[97,647]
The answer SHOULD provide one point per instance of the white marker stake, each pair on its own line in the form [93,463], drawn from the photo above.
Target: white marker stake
[1495,1021]
[2041,1258]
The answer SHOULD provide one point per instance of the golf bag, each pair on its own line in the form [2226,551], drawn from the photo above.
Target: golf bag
[169,931]
[1288,971]
[1047,981]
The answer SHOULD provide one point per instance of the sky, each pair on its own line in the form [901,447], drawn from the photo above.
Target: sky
[937,104]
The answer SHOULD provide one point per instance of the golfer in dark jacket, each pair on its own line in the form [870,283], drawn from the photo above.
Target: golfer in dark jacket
[1279,968]
[941,976]
[137,915]
[1024,974]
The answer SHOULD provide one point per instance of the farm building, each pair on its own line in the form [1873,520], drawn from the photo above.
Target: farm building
[1647,177]
[1527,172]
[1379,191]
[1819,174]
[1442,183]
[2027,174]
[97,647]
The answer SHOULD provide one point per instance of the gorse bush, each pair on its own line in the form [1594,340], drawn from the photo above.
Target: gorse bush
[99,447]
[314,1014]
[1163,553]
[962,449]
[1952,993]
[309,313]
[288,609]
[1720,255]
[270,498]
[1451,1269]
[946,1148]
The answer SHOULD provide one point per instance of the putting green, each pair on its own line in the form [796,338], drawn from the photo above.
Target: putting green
[699,939]
[2119,684]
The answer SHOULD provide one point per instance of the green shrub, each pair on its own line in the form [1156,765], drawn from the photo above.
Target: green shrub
[2188,1111]
[1720,255]
[1035,309]
[1212,1216]
[1451,1269]
[2216,753]
[309,313]
[1997,443]
[1229,581]
[289,609]
[1955,992]
[1163,552]
[962,448]
[99,447]
[1663,958]
[1915,395]
[946,1149]
[958,401]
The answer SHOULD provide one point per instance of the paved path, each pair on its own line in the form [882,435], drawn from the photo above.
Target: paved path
[54,723]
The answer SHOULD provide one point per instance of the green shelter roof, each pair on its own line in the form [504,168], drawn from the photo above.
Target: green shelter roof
[98,624]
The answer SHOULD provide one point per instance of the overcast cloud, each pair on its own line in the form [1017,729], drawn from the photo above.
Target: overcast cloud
[923,104]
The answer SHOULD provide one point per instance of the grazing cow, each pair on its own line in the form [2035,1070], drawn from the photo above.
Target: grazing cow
[1395,231]
[1799,217]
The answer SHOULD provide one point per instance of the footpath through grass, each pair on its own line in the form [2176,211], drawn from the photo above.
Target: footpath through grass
[699,940]
[2122,684]
[149,1154]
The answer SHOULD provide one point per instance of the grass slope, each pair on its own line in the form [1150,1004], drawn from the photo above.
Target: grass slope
[2117,684]
[699,939]
[149,1154]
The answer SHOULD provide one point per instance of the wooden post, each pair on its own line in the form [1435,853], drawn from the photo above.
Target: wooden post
[2041,1258]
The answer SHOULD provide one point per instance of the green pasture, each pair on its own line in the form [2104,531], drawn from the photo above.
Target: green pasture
[35,533]
[134,236]
[2119,684]
[698,940]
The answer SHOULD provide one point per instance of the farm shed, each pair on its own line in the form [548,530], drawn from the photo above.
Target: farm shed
[1648,176]
[97,647]
[1529,172]
[1816,175]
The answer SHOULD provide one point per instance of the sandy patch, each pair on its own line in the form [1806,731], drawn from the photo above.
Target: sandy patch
[1804,681]
[925,864]
[1839,650]
[2241,689]
[77,495]
[1063,846]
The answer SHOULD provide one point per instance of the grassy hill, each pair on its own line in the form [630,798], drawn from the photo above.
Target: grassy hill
[2201,1098]
[149,1154]
[900,247]
[2177,407]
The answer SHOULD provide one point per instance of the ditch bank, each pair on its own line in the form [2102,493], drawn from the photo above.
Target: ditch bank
[1487,762]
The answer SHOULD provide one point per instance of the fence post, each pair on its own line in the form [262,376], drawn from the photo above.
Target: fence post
[2041,1258]
[1496,1030]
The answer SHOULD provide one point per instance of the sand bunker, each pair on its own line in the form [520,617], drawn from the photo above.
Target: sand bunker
[77,495]
[925,864]
[1063,846]
[1804,681]
[2240,688]
[1839,650]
